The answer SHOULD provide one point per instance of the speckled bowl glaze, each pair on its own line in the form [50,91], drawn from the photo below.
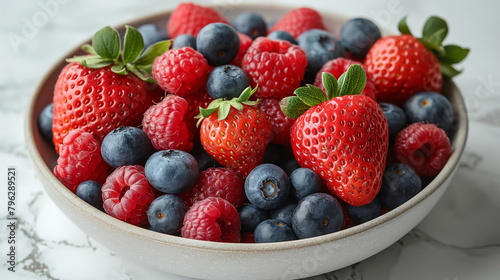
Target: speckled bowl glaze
[212,260]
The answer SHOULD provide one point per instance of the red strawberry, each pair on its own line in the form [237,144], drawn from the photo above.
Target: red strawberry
[105,90]
[299,20]
[276,66]
[190,18]
[281,125]
[237,135]
[337,67]
[403,65]
[343,137]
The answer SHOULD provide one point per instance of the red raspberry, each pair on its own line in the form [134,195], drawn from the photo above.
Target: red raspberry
[247,237]
[245,42]
[80,160]
[280,124]
[181,71]
[299,20]
[424,147]
[190,18]
[276,66]
[212,219]
[337,67]
[166,125]
[127,195]
[217,182]
[201,98]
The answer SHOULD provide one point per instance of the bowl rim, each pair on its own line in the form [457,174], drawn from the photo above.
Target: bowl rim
[30,125]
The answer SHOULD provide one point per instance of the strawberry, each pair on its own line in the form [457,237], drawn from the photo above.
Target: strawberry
[299,20]
[106,89]
[238,134]
[403,65]
[342,136]
[190,18]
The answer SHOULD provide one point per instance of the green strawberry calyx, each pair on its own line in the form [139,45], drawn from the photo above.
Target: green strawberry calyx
[433,34]
[223,106]
[352,82]
[107,50]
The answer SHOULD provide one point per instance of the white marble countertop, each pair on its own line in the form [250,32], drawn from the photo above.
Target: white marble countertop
[459,239]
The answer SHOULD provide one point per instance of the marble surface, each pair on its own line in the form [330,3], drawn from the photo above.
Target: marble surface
[459,239]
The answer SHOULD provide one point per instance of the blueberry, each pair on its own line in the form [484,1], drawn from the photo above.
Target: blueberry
[184,40]
[284,213]
[396,119]
[45,120]
[282,35]
[273,230]
[172,171]
[166,214]
[219,43]
[251,24]
[429,107]
[204,159]
[399,183]
[126,145]
[227,81]
[152,34]
[358,35]
[267,186]
[90,192]
[304,182]
[317,214]
[251,216]
[320,46]
[364,213]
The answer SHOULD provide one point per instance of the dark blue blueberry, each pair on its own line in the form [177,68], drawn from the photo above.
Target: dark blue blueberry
[251,24]
[45,120]
[172,171]
[304,182]
[317,214]
[227,81]
[284,213]
[399,183]
[184,40]
[204,159]
[282,35]
[267,186]
[358,35]
[430,107]
[396,119]
[320,46]
[251,216]
[152,34]
[126,145]
[90,192]
[219,43]
[364,213]
[166,214]
[273,230]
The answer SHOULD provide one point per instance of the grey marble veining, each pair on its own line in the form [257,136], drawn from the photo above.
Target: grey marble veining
[458,240]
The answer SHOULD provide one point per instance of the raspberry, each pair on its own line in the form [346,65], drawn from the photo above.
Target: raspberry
[277,67]
[247,237]
[80,160]
[298,21]
[280,124]
[245,42]
[337,67]
[127,195]
[180,71]
[212,219]
[217,182]
[201,98]
[424,147]
[166,125]
[190,18]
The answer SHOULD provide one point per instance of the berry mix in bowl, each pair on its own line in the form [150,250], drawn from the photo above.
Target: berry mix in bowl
[266,152]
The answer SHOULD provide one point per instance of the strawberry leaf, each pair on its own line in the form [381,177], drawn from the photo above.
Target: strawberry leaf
[293,107]
[403,27]
[119,69]
[330,84]
[311,95]
[353,81]
[91,61]
[88,49]
[224,109]
[435,29]
[106,43]
[246,94]
[235,104]
[133,44]
[153,51]
[207,112]
[448,70]
[141,73]
[453,54]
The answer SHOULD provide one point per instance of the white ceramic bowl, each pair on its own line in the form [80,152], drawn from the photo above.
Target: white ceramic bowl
[212,260]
